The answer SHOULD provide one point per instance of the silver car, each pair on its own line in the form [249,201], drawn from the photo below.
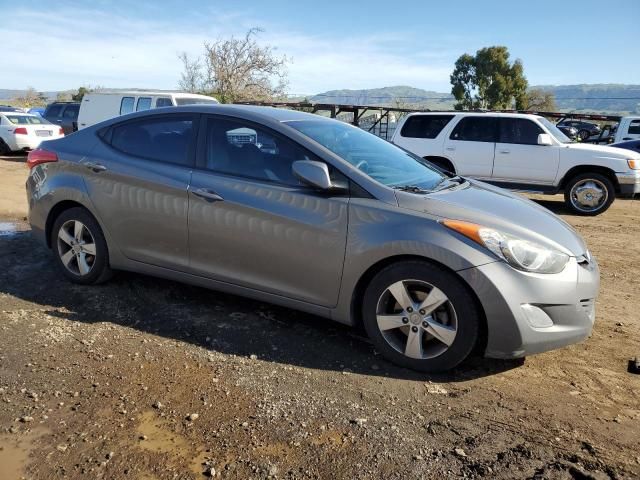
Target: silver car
[317,215]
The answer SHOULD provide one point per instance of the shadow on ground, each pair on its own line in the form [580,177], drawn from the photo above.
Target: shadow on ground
[206,318]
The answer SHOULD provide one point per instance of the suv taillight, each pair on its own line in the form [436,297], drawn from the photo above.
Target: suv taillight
[61,132]
[39,155]
[20,131]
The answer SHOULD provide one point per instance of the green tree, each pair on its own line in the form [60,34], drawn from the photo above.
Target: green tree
[540,100]
[77,97]
[488,80]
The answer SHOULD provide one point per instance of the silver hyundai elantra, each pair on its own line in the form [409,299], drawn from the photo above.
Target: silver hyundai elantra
[320,216]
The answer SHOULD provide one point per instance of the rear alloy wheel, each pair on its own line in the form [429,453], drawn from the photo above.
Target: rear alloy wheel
[583,135]
[79,247]
[589,194]
[421,316]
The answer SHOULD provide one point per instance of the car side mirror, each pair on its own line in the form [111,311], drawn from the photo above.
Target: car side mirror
[313,173]
[544,139]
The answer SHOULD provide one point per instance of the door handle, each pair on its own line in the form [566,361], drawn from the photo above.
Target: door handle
[207,195]
[451,149]
[505,151]
[96,167]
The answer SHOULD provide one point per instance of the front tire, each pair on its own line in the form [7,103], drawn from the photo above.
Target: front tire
[583,135]
[589,194]
[80,248]
[421,316]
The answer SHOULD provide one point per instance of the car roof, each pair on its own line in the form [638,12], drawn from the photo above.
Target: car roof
[478,114]
[19,114]
[255,112]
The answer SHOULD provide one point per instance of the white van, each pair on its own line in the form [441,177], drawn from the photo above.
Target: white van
[105,104]
[629,129]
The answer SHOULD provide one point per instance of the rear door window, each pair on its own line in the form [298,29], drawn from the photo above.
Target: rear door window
[144,103]
[424,126]
[71,112]
[165,139]
[519,130]
[163,102]
[476,129]
[634,127]
[126,105]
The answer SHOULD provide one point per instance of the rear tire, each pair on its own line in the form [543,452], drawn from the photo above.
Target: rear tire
[80,248]
[589,194]
[438,326]
[4,148]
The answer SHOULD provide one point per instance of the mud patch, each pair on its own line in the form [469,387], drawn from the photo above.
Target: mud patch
[15,451]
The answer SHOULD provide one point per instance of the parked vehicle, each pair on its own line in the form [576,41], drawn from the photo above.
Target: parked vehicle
[8,108]
[37,111]
[23,131]
[106,104]
[628,129]
[633,145]
[585,129]
[570,132]
[522,152]
[64,114]
[327,219]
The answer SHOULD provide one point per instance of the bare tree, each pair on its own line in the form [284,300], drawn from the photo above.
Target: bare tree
[236,69]
[191,78]
[30,98]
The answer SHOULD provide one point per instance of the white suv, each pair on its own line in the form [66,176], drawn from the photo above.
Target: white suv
[522,152]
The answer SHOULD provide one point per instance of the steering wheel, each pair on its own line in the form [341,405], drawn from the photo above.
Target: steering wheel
[363,165]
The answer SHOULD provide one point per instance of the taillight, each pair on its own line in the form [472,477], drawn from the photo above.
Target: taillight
[39,155]
[61,132]
[20,131]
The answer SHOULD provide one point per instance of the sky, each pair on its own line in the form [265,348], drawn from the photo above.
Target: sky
[61,44]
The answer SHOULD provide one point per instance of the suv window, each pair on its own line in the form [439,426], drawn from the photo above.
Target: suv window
[519,130]
[164,139]
[53,111]
[476,129]
[144,103]
[126,105]
[163,102]
[71,112]
[424,126]
[634,127]
[242,149]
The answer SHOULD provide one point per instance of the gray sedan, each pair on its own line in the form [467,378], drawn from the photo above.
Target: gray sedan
[320,216]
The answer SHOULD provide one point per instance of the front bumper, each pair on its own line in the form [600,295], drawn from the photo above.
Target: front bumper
[531,313]
[629,183]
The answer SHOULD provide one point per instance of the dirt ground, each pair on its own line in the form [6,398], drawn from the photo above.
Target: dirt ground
[145,379]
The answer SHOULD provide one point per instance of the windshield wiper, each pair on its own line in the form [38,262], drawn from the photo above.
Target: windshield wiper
[411,188]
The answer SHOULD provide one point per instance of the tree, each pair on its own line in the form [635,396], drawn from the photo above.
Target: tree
[540,100]
[236,69]
[63,97]
[488,80]
[31,98]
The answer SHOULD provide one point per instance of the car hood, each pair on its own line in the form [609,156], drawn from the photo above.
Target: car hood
[493,207]
[602,150]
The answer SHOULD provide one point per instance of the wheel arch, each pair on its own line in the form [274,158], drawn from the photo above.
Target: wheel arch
[439,159]
[580,169]
[364,280]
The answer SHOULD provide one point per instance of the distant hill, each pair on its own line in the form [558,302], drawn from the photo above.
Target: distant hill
[609,98]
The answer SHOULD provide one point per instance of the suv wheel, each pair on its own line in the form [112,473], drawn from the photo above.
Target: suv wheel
[589,194]
[80,248]
[420,316]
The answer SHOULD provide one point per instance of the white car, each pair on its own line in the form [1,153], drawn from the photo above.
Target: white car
[522,152]
[24,131]
[105,104]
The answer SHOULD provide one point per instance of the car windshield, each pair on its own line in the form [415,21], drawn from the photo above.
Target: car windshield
[555,131]
[374,156]
[26,120]
[195,101]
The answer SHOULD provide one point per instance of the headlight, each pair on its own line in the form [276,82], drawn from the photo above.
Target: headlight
[519,253]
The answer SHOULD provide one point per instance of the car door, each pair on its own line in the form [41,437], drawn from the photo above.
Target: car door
[471,145]
[420,133]
[69,118]
[137,177]
[253,224]
[519,158]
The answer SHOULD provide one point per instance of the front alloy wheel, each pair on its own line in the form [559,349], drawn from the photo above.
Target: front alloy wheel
[420,315]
